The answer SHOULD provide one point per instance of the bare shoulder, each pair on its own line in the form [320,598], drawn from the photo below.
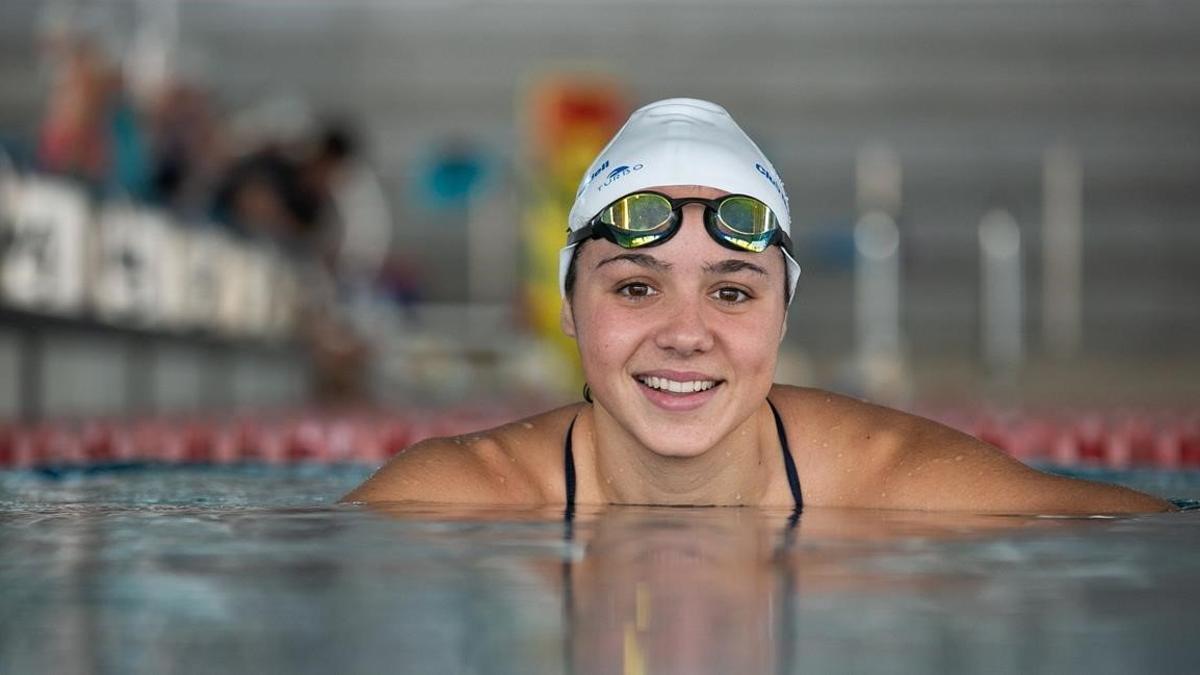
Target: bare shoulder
[519,463]
[859,454]
[809,401]
[838,442]
[852,424]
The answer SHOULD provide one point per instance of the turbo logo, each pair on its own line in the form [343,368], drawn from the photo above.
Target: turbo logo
[617,174]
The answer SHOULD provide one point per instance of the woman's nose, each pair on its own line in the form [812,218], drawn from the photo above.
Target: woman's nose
[684,329]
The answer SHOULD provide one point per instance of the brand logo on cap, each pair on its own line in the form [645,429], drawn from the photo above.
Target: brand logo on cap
[597,171]
[617,174]
[772,180]
[591,177]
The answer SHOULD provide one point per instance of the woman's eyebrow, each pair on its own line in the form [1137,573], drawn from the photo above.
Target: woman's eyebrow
[643,259]
[732,265]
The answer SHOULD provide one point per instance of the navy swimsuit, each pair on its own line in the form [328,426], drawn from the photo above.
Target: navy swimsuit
[789,465]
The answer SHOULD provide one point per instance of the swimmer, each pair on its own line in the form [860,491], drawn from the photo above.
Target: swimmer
[676,282]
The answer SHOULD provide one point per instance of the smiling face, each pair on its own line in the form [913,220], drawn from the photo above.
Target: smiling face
[678,341]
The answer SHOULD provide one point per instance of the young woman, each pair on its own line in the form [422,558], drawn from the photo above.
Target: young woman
[676,281]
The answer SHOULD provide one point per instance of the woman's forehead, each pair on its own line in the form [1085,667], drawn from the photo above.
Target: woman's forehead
[690,249]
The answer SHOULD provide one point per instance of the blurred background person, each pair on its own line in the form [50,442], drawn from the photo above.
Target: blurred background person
[91,130]
[991,204]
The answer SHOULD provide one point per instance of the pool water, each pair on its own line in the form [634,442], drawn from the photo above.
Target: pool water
[255,569]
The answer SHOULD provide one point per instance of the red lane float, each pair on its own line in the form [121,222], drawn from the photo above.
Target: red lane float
[7,446]
[1120,439]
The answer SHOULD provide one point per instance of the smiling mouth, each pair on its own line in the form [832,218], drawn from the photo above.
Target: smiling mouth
[676,386]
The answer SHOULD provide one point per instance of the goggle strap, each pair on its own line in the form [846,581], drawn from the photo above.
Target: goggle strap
[582,234]
[785,241]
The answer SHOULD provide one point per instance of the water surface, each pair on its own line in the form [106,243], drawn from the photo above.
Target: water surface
[256,570]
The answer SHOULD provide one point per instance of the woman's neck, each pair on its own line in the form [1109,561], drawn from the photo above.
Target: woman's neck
[734,471]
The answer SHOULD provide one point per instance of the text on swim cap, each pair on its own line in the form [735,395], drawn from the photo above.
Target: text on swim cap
[591,177]
[772,180]
[595,173]
[617,174]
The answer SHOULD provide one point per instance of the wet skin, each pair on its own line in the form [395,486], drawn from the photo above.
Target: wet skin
[695,316]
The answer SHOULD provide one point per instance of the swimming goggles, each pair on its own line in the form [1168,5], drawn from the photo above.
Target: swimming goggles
[642,219]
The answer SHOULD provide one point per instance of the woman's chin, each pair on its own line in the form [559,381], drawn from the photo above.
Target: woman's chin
[677,436]
[678,448]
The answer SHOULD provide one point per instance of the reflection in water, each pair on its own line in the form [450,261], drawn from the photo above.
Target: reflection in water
[248,572]
[670,590]
[659,593]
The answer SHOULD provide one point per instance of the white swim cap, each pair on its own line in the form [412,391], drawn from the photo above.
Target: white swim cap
[678,141]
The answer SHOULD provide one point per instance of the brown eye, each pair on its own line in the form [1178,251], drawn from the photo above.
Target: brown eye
[635,290]
[732,296]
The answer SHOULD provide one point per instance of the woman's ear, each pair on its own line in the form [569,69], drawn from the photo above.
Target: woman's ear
[783,328]
[567,318]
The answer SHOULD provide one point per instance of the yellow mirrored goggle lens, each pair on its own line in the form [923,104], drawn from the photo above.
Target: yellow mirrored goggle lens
[746,216]
[638,213]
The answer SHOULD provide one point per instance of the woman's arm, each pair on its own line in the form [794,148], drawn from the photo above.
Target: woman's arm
[448,471]
[929,466]
[875,457]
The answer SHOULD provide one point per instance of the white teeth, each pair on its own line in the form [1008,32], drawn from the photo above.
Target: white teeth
[690,387]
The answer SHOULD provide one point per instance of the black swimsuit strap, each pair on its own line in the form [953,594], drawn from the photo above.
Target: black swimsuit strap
[569,470]
[789,464]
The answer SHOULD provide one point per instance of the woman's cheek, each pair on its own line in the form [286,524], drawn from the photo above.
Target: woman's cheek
[605,336]
[759,352]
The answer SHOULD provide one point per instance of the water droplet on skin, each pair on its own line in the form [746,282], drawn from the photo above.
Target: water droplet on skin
[527,425]
[958,458]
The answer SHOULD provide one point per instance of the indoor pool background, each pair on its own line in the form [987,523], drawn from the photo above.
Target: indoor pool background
[255,569]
